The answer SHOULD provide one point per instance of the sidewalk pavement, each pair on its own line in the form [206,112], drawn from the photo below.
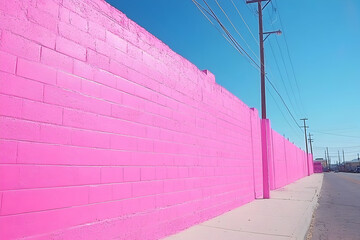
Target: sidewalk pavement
[287,215]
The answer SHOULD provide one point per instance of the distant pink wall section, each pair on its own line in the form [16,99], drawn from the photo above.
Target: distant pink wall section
[107,133]
[318,167]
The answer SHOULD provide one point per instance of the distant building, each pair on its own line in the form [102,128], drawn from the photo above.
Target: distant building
[351,166]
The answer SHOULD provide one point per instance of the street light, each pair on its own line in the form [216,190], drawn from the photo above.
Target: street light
[278,32]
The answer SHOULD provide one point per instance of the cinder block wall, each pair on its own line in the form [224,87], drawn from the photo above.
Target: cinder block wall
[288,162]
[106,133]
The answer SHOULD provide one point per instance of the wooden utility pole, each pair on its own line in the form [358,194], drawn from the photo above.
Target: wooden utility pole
[327,150]
[264,137]
[262,62]
[344,160]
[306,144]
[262,56]
[326,161]
[310,141]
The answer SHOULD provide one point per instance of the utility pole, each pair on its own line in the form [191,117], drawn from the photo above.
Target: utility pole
[339,161]
[264,137]
[344,160]
[262,62]
[262,57]
[310,141]
[306,145]
[327,150]
[326,160]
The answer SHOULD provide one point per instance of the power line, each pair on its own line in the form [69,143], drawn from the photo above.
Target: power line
[232,39]
[253,11]
[202,11]
[278,68]
[247,26]
[286,70]
[347,152]
[342,147]
[227,37]
[287,108]
[335,134]
[235,28]
[238,47]
[282,114]
[291,63]
[281,76]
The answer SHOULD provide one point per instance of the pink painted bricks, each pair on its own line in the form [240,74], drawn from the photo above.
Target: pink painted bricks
[106,133]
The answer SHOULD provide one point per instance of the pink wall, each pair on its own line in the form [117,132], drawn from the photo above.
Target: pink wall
[105,131]
[288,163]
[318,167]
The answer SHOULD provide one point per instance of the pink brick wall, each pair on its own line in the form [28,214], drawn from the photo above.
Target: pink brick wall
[107,133]
[288,163]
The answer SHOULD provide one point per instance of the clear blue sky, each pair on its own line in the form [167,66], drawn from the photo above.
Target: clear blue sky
[323,38]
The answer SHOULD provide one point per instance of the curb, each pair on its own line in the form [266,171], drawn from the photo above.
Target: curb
[301,231]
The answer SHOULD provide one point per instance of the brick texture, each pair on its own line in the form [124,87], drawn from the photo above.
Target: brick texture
[106,133]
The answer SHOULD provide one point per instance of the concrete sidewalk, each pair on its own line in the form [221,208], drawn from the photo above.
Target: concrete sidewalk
[287,215]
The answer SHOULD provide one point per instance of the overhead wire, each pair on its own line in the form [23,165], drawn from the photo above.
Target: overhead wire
[229,34]
[298,98]
[286,71]
[201,10]
[236,29]
[281,76]
[242,51]
[230,39]
[286,106]
[341,147]
[290,60]
[335,134]
[247,26]
[276,63]
[285,68]
[347,152]
[281,112]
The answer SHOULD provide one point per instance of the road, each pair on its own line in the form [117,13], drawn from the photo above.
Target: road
[338,213]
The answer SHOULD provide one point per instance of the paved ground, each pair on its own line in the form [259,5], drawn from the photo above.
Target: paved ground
[286,216]
[338,213]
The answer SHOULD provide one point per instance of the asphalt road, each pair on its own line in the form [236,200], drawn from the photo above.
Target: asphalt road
[338,213]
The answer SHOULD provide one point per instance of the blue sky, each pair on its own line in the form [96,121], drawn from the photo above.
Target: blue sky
[321,37]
